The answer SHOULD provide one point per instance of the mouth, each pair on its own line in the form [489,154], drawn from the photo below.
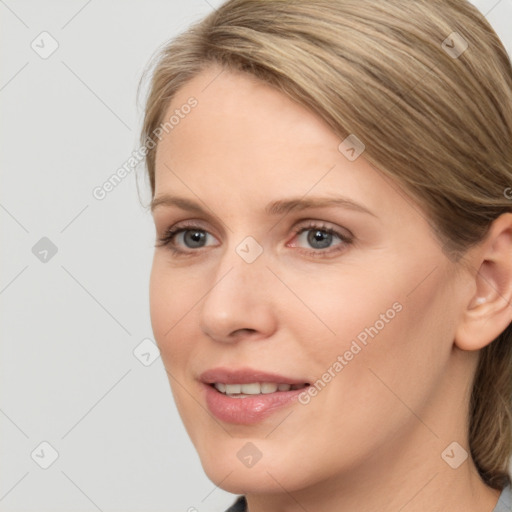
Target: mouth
[246,396]
[255,388]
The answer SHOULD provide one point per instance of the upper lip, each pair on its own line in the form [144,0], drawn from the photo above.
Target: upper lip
[245,376]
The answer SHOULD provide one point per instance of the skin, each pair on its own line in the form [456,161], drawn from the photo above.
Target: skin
[383,422]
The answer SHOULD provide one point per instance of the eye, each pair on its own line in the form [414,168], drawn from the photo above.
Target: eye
[192,238]
[320,239]
[317,238]
[314,239]
[185,239]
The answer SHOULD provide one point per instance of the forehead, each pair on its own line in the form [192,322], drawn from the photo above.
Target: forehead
[239,113]
[244,138]
[241,126]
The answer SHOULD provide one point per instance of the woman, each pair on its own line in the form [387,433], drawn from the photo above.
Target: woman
[332,280]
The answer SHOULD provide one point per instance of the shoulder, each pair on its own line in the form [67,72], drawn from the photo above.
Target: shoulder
[504,503]
[240,505]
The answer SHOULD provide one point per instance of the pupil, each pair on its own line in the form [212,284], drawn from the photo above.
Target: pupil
[195,238]
[319,239]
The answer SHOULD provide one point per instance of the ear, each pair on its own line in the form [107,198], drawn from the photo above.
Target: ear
[489,310]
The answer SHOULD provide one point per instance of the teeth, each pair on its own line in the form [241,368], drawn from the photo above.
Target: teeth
[233,389]
[251,389]
[220,386]
[268,387]
[254,388]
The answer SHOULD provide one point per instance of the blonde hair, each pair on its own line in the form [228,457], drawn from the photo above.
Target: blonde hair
[437,122]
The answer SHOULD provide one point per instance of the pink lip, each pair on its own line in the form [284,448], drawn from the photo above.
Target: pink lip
[245,376]
[250,410]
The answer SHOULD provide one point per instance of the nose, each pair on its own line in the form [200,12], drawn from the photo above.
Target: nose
[240,302]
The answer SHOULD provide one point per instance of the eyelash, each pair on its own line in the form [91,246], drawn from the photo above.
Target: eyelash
[346,240]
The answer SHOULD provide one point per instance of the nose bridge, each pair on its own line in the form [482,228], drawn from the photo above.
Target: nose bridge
[238,299]
[241,267]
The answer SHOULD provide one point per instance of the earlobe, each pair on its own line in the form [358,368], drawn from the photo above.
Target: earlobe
[489,309]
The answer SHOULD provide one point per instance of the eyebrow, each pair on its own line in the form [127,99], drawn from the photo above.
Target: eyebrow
[280,207]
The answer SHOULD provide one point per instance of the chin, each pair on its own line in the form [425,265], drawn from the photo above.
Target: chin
[243,482]
[273,471]
[240,480]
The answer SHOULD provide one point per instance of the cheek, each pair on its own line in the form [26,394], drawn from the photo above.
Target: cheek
[172,298]
[171,303]
[344,305]
[381,335]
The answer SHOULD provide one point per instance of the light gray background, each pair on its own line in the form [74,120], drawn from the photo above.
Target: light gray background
[68,374]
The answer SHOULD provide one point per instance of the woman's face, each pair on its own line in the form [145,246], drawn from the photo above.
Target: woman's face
[293,262]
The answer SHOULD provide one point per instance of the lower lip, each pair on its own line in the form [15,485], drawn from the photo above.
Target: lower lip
[249,410]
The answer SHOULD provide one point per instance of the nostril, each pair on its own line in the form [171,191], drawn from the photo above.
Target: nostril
[241,332]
